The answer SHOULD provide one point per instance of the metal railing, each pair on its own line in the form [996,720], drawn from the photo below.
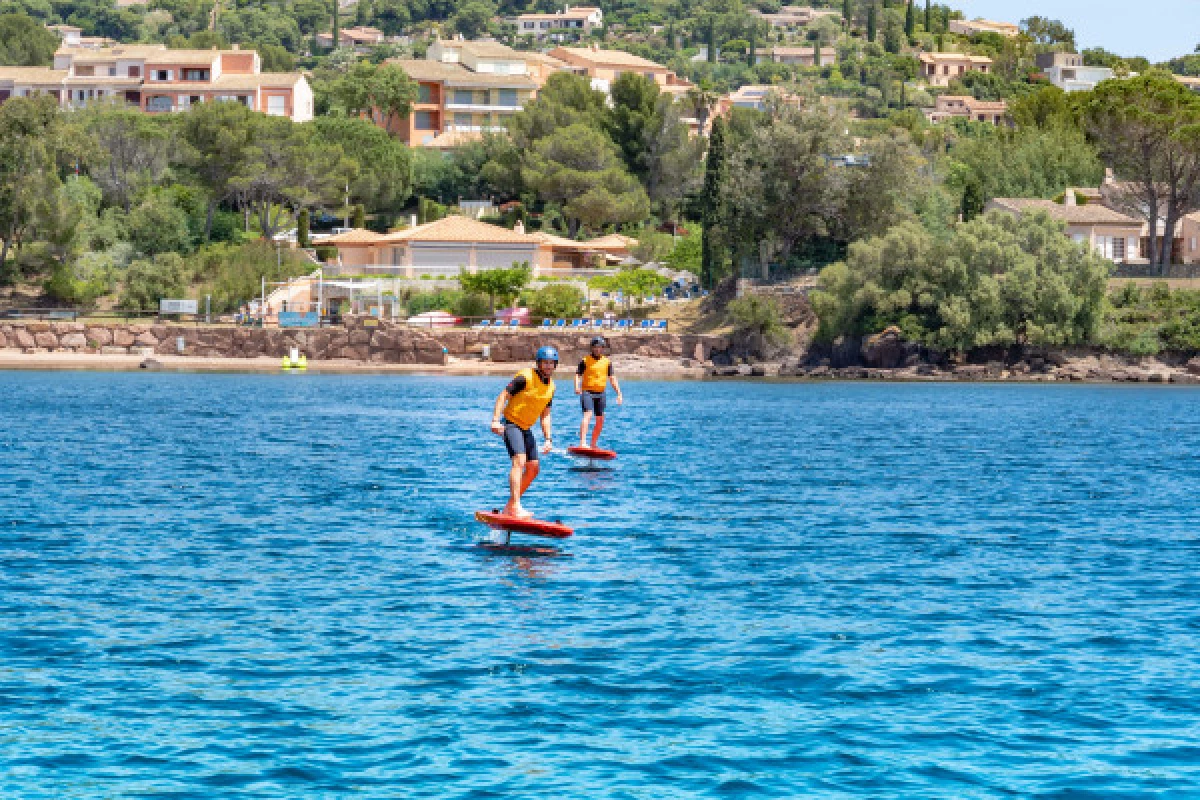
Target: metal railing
[100,317]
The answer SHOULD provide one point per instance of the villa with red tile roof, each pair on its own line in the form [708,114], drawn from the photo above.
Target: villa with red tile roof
[605,66]
[158,79]
[939,69]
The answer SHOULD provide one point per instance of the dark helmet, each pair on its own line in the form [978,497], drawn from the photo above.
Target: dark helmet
[547,354]
[599,342]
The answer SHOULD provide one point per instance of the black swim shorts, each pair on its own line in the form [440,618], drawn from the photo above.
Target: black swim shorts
[594,402]
[519,441]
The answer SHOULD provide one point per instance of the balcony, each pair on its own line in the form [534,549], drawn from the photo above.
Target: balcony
[474,128]
[483,108]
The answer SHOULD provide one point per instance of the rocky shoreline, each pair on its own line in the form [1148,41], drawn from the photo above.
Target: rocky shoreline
[1100,368]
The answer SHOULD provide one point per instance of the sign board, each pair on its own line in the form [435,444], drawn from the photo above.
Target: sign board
[177,306]
[297,319]
[370,323]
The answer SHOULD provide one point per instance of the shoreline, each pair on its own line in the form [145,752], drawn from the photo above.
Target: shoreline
[1080,371]
[630,366]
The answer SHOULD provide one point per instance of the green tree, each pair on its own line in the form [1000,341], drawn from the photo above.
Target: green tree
[303,236]
[132,152]
[578,168]
[928,18]
[358,217]
[1031,162]
[1148,129]
[33,138]
[760,320]
[287,166]
[24,42]
[555,301]
[383,180]
[632,118]
[998,280]
[1048,31]
[473,18]
[367,88]
[972,201]
[156,225]
[872,21]
[148,281]
[498,284]
[215,140]
[910,19]
[712,207]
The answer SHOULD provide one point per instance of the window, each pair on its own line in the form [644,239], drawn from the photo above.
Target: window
[423,121]
[195,74]
[424,93]
[462,120]
[508,99]
[464,97]
[160,75]
[528,26]
[158,103]
[1192,243]
[135,72]
[277,106]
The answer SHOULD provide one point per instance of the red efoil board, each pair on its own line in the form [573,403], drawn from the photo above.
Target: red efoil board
[598,453]
[533,527]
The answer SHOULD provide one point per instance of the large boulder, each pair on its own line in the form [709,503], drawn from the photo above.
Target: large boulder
[1193,366]
[45,340]
[884,350]
[846,352]
[76,341]
[23,339]
[100,336]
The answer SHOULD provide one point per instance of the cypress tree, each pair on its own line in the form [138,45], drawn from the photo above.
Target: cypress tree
[358,217]
[753,46]
[910,20]
[302,235]
[928,18]
[871,22]
[337,25]
[712,256]
[712,40]
[972,200]
[847,13]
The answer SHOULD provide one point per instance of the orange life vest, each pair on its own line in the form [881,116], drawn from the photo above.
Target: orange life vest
[595,373]
[526,406]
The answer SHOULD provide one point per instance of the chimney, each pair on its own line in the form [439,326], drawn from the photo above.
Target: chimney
[519,227]
[236,46]
[412,220]
[1069,198]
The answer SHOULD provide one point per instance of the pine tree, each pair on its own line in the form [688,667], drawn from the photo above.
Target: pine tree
[871,22]
[712,257]
[910,20]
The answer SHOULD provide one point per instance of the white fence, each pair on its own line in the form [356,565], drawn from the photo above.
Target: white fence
[450,273]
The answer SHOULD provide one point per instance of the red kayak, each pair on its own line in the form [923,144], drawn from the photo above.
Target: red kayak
[597,453]
[533,527]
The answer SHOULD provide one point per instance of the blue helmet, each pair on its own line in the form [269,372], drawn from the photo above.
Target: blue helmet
[547,354]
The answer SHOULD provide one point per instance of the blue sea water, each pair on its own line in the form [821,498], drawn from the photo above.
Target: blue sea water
[270,587]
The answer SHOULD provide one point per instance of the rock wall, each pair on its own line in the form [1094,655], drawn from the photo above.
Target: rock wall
[386,343]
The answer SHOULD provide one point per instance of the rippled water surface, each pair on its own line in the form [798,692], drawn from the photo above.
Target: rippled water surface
[269,586]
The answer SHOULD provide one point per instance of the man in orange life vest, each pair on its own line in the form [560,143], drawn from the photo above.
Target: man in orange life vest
[523,402]
[591,380]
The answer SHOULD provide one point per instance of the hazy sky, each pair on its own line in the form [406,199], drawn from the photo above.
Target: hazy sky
[1156,29]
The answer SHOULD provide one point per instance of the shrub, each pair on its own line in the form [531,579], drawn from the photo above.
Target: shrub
[555,301]
[149,280]
[233,273]
[159,226]
[758,316]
